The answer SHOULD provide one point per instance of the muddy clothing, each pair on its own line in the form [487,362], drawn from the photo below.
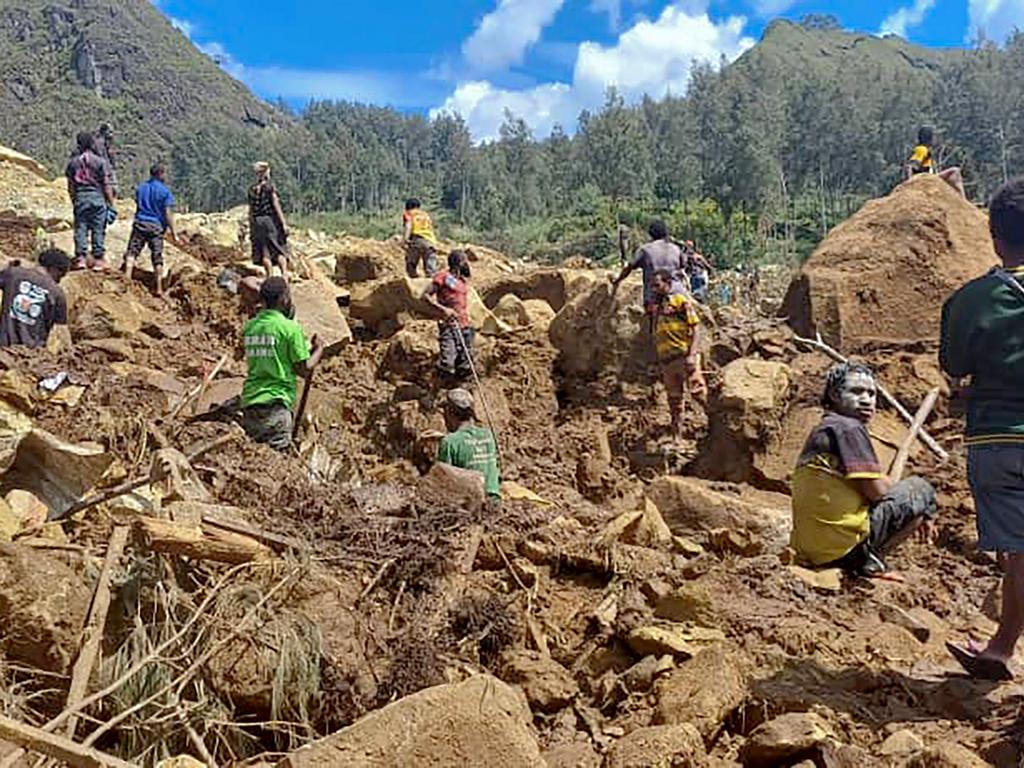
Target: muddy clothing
[145,234]
[675,321]
[657,256]
[453,292]
[921,160]
[32,304]
[455,356]
[271,424]
[830,516]
[419,250]
[274,345]
[473,447]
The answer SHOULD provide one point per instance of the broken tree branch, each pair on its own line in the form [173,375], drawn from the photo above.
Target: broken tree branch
[198,391]
[58,747]
[899,464]
[183,540]
[819,345]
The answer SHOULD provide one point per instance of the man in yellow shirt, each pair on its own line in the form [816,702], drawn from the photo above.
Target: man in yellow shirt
[419,238]
[922,160]
[677,339]
[846,511]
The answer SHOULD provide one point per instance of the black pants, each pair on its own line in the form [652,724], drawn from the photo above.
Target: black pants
[455,356]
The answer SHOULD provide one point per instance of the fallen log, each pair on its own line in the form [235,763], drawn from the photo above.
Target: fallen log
[191,541]
[57,747]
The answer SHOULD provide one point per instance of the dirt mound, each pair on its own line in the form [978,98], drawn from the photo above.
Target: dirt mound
[883,275]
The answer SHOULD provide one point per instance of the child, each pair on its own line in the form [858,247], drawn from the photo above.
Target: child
[677,338]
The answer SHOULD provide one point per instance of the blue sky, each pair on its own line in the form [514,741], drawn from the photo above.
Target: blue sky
[544,59]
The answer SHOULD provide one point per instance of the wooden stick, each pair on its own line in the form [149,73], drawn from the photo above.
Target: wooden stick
[302,404]
[58,747]
[94,625]
[899,464]
[927,439]
[198,391]
[275,541]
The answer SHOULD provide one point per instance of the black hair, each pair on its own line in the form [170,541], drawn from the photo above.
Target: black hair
[836,376]
[272,291]
[658,230]
[664,274]
[157,169]
[85,141]
[1006,214]
[55,259]
[925,135]
[412,204]
[456,259]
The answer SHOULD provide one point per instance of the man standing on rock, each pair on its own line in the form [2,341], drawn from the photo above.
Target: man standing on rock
[677,338]
[661,254]
[33,302]
[276,351]
[419,239]
[982,337]
[89,186]
[153,217]
[448,292]
[847,512]
[467,445]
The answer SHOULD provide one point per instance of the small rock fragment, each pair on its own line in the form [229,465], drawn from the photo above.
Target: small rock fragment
[788,737]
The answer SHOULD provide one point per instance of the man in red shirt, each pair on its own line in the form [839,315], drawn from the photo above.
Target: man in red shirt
[448,292]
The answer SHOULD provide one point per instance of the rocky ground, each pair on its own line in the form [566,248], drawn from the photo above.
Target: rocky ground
[632,604]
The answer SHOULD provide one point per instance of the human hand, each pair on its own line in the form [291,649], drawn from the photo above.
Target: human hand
[316,343]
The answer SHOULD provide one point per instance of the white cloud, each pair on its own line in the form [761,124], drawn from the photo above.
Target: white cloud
[902,19]
[614,10]
[185,27]
[652,57]
[504,35]
[996,19]
[765,8]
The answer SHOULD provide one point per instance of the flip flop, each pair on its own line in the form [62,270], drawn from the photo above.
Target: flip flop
[978,666]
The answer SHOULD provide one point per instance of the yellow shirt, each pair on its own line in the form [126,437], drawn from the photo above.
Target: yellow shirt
[922,155]
[674,330]
[422,226]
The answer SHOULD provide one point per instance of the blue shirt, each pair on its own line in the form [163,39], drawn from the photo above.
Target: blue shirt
[152,199]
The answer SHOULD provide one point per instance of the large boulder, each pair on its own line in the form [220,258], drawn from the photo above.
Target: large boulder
[449,486]
[659,746]
[520,314]
[705,690]
[555,287]
[883,275]
[317,311]
[100,307]
[387,305]
[480,723]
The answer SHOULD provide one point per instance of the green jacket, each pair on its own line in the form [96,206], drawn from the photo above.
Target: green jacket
[983,337]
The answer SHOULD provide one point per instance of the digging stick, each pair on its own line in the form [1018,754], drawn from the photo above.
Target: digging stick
[198,391]
[899,464]
[302,404]
[927,439]
[480,389]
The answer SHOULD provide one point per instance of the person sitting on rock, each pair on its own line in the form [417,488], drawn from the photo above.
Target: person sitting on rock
[89,187]
[276,351]
[448,292]
[268,229]
[467,445]
[847,512]
[922,160]
[33,302]
[419,239]
[153,217]
[677,338]
[657,255]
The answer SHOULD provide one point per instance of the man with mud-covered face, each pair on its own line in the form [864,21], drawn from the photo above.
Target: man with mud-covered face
[846,511]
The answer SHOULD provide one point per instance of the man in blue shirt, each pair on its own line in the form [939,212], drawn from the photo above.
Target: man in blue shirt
[153,217]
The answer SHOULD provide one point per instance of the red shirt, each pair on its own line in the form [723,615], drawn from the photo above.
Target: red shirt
[453,292]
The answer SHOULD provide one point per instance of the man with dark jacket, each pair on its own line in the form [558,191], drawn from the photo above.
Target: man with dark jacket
[91,193]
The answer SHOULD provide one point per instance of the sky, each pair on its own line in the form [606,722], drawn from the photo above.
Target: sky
[545,60]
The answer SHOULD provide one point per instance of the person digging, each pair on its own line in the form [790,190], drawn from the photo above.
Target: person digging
[467,445]
[677,339]
[448,293]
[276,352]
[847,513]
[981,333]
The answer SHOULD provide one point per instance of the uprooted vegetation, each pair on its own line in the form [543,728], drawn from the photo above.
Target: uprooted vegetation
[631,604]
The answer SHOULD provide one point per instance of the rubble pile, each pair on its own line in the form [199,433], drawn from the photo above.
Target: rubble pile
[172,592]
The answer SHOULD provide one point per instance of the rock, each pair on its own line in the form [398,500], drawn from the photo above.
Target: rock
[480,723]
[519,314]
[902,743]
[691,602]
[946,755]
[547,684]
[643,527]
[690,505]
[789,737]
[14,427]
[152,378]
[10,522]
[678,640]
[43,602]
[704,690]
[317,311]
[828,580]
[575,755]
[57,473]
[18,390]
[752,391]
[411,354]
[659,746]
[388,305]
[27,507]
[119,349]
[104,315]
[14,157]
[554,287]
[449,486]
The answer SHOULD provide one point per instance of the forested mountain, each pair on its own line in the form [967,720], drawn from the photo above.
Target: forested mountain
[761,156]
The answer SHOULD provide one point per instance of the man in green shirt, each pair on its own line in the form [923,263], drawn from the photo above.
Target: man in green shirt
[983,338]
[276,351]
[468,446]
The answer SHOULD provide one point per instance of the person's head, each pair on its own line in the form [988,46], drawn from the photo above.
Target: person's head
[657,230]
[55,262]
[663,283]
[106,131]
[458,409]
[850,390]
[689,246]
[458,263]
[412,204]
[157,171]
[86,142]
[261,169]
[926,135]
[274,294]
[1006,221]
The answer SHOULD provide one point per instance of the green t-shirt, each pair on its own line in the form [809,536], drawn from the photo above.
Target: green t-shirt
[273,345]
[473,448]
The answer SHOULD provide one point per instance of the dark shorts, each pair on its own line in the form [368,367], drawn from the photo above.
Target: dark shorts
[271,424]
[996,475]
[146,234]
[419,249]
[267,240]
